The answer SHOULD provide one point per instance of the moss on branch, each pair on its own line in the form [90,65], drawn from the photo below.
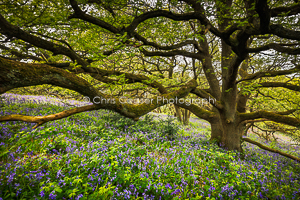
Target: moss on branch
[39,120]
[279,117]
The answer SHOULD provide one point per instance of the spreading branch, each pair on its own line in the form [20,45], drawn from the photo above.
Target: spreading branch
[17,74]
[129,78]
[280,84]
[272,116]
[14,31]
[170,47]
[198,111]
[78,13]
[271,150]
[203,94]
[171,53]
[20,55]
[285,11]
[277,47]
[39,120]
[282,32]
[258,75]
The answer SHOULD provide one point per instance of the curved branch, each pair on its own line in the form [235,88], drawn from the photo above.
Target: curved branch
[52,38]
[14,31]
[276,47]
[16,74]
[271,150]
[203,94]
[199,112]
[285,11]
[100,75]
[142,109]
[282,32]
[39,120]
[116,104]
[280,84]
[130,29]
[160,13]
[81,15]
[148,15]
[20,55]
[129,78]
[171,47]
[137,20]
[172,53]
[258,75]
[272,116]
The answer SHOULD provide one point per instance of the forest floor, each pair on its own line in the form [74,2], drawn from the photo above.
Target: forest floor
[102,155]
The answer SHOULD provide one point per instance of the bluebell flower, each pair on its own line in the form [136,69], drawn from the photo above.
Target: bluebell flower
[42,193]
[79,196]
[52,195]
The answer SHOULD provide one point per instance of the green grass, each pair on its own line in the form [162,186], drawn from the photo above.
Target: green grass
[101,155]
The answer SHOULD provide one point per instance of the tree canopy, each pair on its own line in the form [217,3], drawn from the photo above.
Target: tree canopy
[230,51]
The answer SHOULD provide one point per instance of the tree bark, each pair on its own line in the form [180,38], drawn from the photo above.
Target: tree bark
[231,139]
[226,133]
[183,115]
[187,115]
[178,113]
[216,131]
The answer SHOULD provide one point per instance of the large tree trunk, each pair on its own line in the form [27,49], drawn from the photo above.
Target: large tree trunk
[241,108]
[216,130]
[226,134]
[231,139]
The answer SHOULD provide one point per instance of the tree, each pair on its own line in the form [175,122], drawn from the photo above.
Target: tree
[234,45]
